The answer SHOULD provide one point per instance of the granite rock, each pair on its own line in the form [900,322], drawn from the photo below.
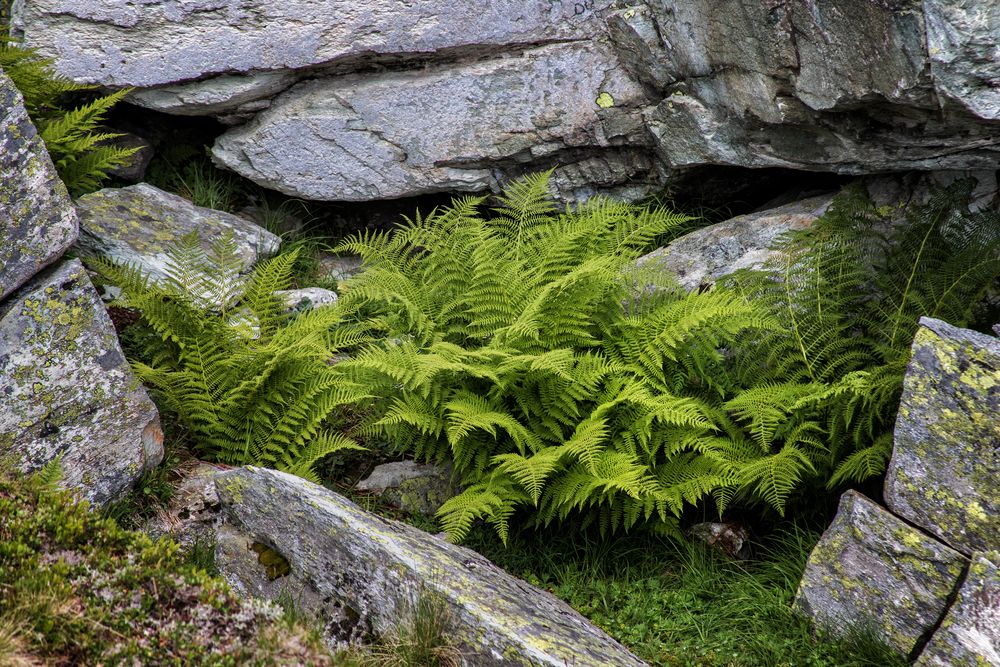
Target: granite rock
[66,389]
[969,636]
[413,487]
[872,569]
[139,224]
[37,220]
[318,546]
[944,474]
[703,256]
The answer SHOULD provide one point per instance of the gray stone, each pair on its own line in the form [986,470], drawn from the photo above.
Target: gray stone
[66,389]
[225,94]
[139,224]
[401,134]
[969,635]
[339,268]
[134,169]
[374,570]
[729,538]
[119,43]
[37,220]
[413,487]
[744,242]
[837,86]
[872,569]
[307,298]
[190,514]
[962,38]
[945,470]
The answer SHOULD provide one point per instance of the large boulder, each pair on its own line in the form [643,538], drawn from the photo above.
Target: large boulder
[325,552]
[944,475]
[969,636]
[66,389]
[401,134]
[871,570]
[850,86]
[139,224]
[37,220]
[417,488]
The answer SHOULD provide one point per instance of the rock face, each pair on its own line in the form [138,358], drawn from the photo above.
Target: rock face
[323,549]
[138,225]
[848,85]
[871,567]
[400,134]
[969,635]
[705,255]
[37,220]
[402,98]
[945,470]
[66,389]
[411,486]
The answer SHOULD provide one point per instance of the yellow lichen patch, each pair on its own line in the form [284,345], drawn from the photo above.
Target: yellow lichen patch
[605,100]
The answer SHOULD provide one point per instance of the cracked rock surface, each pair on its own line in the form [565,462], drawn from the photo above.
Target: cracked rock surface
[67,391]
[360,570]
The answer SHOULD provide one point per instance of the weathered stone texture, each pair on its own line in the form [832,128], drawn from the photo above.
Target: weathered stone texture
[374,570]
[66,389]
[307,298]
[872,568]
[744,242]
[121,43]
[37,221]
[945,470]
[401,134]
[835,86]
[139,224]
[969,635]
[413,487]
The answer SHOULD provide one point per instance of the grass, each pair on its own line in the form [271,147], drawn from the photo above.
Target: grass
[677,603]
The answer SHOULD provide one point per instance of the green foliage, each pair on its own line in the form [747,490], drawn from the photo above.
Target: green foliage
[251,384]
[82,153]
[79,590]
[675,603]
[850,291]
[520,348]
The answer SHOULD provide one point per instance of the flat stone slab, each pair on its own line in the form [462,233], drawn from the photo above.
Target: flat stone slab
[870,568]
[969,635]
[318,545]
[945,470]
[139,224]
[66,389]
[744,242]
[37,220]
[401,134]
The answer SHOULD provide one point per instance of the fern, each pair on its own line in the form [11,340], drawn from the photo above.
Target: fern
[850,291]
[252,384]
[81,152]
[515,349]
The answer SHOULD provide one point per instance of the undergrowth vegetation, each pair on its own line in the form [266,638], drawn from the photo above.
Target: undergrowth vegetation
[81,150]
[75,589]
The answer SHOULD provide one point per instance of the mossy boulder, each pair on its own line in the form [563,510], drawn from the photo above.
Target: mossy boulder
[871,571]
[37,220]
[969,635]
[314,544]
[67,391]
[139,224]
[417,488]
[945,470]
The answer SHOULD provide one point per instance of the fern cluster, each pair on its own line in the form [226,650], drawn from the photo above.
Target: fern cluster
[849,292]
[518,348]
[253,384]
[80,150]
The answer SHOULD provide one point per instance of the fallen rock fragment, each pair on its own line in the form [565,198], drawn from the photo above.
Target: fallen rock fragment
[412,487]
